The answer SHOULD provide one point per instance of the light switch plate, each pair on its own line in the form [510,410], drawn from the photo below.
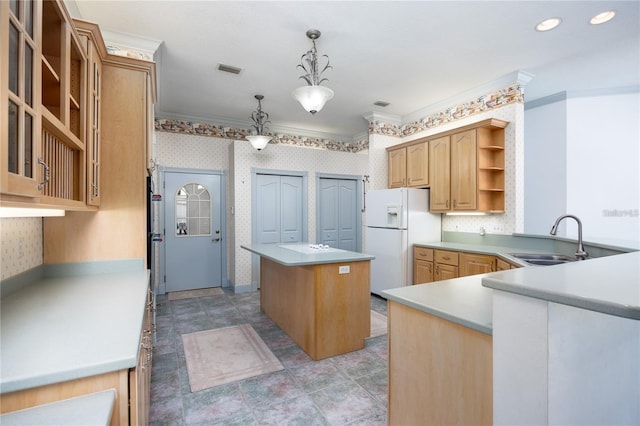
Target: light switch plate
[344,269]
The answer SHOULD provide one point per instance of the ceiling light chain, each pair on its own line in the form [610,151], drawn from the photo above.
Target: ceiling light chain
[259,118]
[313,96]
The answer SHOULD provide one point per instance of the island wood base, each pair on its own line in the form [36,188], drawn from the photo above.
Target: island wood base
[439,372]
[326,313]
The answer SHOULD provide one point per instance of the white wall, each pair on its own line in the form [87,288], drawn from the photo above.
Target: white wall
[545,170]
[590,145]
[603,165]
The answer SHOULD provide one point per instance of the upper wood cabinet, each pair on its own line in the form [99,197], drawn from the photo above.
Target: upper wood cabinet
[20,97]
[467,168]
[440,174]
[95,51]
[464,171]
[43,79]
[409,166]
[464,167]
[418,165]
[397,165]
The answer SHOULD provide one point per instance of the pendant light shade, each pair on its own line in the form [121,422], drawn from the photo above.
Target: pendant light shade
[259,141]
[312,97]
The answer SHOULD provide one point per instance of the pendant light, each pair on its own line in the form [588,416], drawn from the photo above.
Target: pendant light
[313,96]
[260,118]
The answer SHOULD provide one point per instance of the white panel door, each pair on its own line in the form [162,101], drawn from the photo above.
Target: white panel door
[279,209]
[268,202]
[193,255]
[338,213]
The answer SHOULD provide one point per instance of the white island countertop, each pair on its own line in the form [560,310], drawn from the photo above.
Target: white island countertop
[65,327]
[299,254]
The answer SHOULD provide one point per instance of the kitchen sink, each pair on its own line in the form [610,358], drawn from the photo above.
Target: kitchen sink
[544,259]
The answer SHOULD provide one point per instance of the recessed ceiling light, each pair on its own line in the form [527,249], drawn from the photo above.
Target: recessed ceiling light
[603,17]
[381,103]
[548,24]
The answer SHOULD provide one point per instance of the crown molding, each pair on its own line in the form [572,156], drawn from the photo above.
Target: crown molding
[374,116]
[519,77]
[144,46]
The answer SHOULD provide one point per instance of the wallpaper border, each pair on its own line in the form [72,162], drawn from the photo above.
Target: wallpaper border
[497,99]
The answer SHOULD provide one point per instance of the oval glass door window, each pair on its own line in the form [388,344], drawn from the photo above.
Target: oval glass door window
[193,211]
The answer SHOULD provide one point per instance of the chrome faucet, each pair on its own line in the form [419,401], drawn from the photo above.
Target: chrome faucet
[581,254]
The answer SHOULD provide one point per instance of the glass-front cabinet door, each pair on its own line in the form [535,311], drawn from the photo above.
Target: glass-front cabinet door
[19,76]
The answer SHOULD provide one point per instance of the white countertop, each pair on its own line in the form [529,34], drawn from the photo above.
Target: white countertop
[94,409]
[463,301]
[610,285]
[66,327]
[301,254]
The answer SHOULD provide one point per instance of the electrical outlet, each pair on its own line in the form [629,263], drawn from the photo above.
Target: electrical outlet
[344,269]
[498,227]
[19,248]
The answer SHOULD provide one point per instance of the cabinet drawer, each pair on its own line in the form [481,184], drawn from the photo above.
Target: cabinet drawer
[446,257]
[423,253]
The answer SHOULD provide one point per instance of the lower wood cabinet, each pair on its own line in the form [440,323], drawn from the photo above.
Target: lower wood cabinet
[473,264]
[440,373]
[446,265]
[422,265]
[431,265]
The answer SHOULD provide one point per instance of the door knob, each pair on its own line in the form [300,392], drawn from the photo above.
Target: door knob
[215,240]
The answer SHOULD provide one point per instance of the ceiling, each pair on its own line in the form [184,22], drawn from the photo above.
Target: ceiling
[412,54]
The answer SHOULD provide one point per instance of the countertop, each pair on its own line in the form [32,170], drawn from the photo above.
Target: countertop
[300,254]
[88,410]
[63,326]
[463,301]
[610,285]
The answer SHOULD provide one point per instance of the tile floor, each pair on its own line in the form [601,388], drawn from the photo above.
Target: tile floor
[349,389]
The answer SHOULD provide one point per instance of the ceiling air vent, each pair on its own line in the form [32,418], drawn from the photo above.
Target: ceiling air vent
[229,68]
[381,104]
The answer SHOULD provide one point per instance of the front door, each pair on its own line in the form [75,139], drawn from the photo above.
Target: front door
[193,255]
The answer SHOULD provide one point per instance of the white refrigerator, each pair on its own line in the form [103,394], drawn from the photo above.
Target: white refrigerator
[396,219]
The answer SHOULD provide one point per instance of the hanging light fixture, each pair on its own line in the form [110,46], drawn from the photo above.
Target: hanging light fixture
[313,96]
[260,118]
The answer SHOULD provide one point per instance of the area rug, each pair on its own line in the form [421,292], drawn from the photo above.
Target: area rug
[224,355]
[378,324]
[190,294]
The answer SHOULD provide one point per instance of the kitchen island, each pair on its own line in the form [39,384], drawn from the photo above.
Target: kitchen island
[320,297]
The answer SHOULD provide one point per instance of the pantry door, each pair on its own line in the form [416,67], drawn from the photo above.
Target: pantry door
[193,237]
[338,213]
